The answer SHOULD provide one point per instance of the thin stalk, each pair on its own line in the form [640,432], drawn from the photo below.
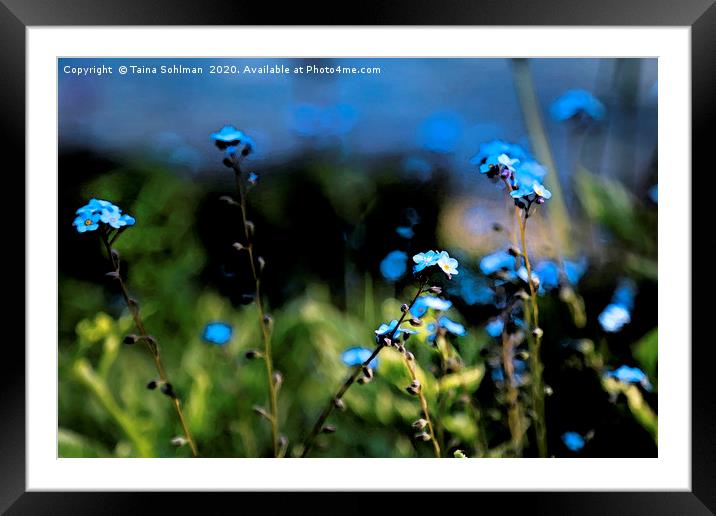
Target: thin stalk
[149,341]
[263,323]
[424,406]
[328,409]
[534,341]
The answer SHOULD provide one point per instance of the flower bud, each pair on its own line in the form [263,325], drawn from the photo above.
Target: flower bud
[435,290]
[253,354]
[238,246]
[368,372]
[277,379]
[261,412]
[535,281]
[250,227]
[409,356]
[404,308]
[548,390]
[328,429]
[339,404]
[521,294]
[228,199]
[152,385]
[113,275]
[514,251]
[363,380]
[261,262]
[411,390]
[268,319]
[168,390]
[131,339]
[459,454]
[179,441]
[423,436]
[537,333]
[115,255]
[522,355]
[415,383]
[415,322]
[419,424]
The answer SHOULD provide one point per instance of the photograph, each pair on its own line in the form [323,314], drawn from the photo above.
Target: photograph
[357,257]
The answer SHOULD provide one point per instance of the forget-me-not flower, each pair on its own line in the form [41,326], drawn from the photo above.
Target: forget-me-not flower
[218,333]
[98,211]
[577,103]
[447,264]
[626,374]
[391,331]
[452,327]
[494,327]
[423,303]
[394,265]
[618,312]
[426,259]
[573,441]
[497,261]
[356,355]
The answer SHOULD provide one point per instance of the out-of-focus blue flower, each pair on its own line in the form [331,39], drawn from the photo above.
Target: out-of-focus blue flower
[432,331]
[100,211]
[494,327]
[654,193]
[573,441]
[394,265]
[489,151]
[574,103]
[423,303]
[626,374]
[447,265]
[317,121]
[574,270]
[227,136]
[440,132]
[473,289]
[613,318]
[618,312]
[391,330]
[528,172]
[452,327]
[549,275]
[497,261]
[405,232]
[426,259]
[252,178]
[218,333]
[355,356]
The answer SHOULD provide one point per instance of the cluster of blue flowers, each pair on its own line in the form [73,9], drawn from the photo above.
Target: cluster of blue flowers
[235,144]
[512,164]
[96,212]
[218,333]
[577,104]
[441,259]
[618,313]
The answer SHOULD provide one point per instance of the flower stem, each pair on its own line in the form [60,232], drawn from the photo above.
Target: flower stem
[263,322]
[424,406]
[534,341]
[308,443]
[150,341]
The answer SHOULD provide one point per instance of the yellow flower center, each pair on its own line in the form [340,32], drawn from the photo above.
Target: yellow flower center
[88,222]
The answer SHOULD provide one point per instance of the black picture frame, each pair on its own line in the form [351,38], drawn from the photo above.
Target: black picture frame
[17,15]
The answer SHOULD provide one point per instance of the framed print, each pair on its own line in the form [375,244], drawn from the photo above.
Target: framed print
[258,262]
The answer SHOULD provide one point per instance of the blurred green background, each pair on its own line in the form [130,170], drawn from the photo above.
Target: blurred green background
[326,211]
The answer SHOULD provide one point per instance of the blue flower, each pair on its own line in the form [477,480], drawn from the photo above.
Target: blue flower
[519,370]
[654,193]
[423,303]
[577,103]
[574,270]
[494,327]
[613,318]
[418,166]
[573,441]
[391,331]
[432,330]
[440,132]
[253,178]
[490,151]
[98,211]
[618,312]
[473,289]
[426,259]
[527,193]
[355,356]
[447,264]
[394,265]
[626,374]
[405,232]
[218,333]
[452,327]
[528,172]
[238,150]
[227,136]
[86,222]
[497,261]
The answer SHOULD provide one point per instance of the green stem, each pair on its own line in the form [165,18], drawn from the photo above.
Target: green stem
[263,322]
[148,340]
